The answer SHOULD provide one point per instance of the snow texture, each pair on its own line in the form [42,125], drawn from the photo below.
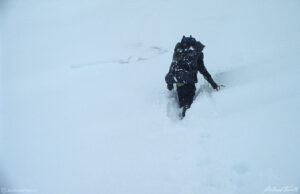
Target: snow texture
[84,107]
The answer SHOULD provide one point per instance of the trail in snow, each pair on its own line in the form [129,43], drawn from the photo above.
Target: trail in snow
[154,52]
[112,127]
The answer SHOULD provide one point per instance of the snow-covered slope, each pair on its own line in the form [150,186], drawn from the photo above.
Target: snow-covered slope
[85,108]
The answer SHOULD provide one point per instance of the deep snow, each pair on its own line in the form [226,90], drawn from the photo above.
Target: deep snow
[85,108]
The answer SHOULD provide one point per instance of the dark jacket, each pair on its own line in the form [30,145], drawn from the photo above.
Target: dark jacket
[185,71]
[204,72]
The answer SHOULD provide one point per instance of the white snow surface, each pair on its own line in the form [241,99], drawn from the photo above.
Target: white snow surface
[85,109]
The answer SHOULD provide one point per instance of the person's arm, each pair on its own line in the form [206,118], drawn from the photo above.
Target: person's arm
[169,78]
[205,73]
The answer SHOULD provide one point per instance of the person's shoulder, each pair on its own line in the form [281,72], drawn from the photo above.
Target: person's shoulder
[199,46]
[178,45]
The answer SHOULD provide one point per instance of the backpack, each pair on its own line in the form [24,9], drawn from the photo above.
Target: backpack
[184,65]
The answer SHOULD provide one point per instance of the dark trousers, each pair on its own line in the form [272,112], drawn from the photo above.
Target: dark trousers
[186,95]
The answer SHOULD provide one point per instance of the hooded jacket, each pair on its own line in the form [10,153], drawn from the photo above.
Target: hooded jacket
[187,61]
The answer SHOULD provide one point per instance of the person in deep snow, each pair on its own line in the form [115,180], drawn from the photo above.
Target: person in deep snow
[187,61]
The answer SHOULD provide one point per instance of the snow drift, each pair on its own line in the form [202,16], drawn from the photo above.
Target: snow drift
[85,108]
